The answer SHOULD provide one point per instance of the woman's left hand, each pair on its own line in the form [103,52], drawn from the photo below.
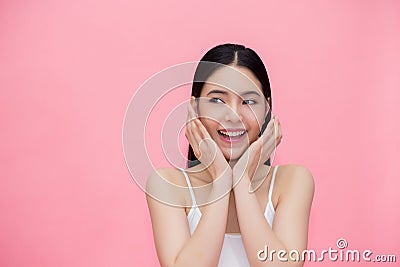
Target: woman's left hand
[258,152]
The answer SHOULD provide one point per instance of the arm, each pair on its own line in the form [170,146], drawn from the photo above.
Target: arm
[174,245]
[290,226]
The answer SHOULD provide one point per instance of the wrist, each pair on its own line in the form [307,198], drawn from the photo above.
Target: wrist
[241,182]
[221,173]
[221,186]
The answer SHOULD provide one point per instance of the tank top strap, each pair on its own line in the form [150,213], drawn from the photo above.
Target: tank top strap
[194,204]
[271,186]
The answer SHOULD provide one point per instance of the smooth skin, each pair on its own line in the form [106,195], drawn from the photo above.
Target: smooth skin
[225,175]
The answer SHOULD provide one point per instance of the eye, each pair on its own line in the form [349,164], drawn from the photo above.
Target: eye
[216,100]
[249,102]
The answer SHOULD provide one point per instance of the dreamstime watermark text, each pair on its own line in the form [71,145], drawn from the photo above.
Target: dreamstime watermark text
[340,253]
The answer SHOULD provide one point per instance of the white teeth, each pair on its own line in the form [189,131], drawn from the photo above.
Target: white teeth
[232,134]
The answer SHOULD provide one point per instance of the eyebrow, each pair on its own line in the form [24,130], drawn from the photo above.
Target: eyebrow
[250,92]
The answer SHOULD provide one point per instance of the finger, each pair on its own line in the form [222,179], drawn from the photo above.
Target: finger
[269,141]
[189,126]
[189,117]
[192,129]
[205,147]
[269,130]
[191,138]
[191,111]
[254,155]
[202,129]
[278,130]
[197,126]
[257,151]
[190,123]
[197,133]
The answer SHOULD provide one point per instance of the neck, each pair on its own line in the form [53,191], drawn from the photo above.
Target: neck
[232,163]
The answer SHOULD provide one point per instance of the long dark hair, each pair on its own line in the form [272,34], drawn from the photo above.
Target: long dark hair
[228,54]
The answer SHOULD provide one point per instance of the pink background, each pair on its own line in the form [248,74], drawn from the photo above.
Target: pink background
[69,68]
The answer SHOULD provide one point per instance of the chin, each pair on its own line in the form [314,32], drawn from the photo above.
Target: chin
[233,154]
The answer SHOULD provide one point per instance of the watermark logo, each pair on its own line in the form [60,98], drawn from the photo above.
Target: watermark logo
[341,254]
[341,243]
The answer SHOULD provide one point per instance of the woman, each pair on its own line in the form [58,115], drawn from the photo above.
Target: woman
[227,208]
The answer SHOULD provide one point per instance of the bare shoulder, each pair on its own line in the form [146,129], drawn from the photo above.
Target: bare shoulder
[171,175]
[167,185]
[295,178]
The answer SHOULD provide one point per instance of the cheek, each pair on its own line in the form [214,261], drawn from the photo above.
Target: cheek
[211,125]
[254,123]
[213,112]
[254,120]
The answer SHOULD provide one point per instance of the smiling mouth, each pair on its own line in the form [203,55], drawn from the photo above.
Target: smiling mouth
[231,135]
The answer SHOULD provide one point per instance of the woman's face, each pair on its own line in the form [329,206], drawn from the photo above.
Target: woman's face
[232,108]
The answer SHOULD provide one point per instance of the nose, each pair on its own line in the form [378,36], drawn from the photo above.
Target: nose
[233,114]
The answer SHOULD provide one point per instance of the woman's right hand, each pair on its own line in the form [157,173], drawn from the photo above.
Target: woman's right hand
[204,147]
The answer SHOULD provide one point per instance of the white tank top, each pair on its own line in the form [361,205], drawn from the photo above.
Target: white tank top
[233,253]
